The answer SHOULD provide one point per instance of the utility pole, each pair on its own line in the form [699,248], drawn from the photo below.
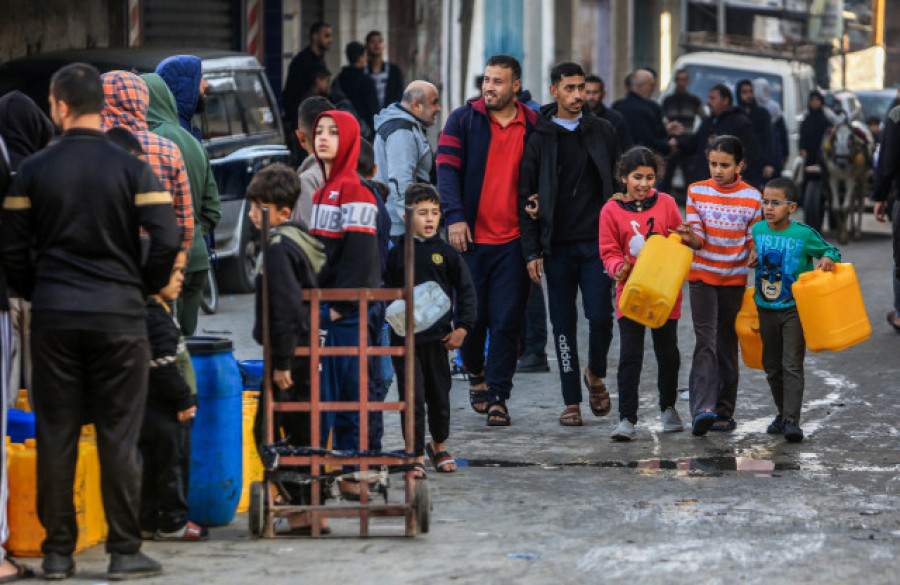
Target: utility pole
[720,22]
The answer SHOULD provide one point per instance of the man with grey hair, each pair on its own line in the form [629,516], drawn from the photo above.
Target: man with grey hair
[402,152]
[644,117]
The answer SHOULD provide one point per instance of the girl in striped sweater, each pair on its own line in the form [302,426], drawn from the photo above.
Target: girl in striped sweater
[721,211]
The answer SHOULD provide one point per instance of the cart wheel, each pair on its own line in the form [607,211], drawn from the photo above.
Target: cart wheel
[423,507]
[257,510]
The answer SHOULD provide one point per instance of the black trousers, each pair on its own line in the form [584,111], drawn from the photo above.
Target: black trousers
[164,503]
[84,375]
[295,425]
[631,360]
[432,369]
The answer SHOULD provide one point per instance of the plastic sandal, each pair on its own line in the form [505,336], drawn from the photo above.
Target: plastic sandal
[440,460]
[599,399]
[497,415]
[478,395]
[571,417]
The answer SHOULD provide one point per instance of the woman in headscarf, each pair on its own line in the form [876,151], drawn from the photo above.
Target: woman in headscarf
[763,93]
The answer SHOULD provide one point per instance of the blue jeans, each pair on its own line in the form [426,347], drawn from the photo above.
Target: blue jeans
[501,283]
[571,267]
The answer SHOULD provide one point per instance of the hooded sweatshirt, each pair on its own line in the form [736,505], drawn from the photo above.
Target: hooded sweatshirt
[344,217]
[126,99]
[410,159]
[163,121]
[292,264]
[24,127]
[182,73]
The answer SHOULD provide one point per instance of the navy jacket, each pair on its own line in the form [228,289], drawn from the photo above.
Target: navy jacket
[462,159]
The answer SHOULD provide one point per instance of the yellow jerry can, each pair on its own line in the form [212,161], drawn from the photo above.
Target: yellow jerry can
[652,287]
[747,328]
[831,308]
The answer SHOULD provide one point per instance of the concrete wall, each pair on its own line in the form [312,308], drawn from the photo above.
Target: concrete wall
[40,26]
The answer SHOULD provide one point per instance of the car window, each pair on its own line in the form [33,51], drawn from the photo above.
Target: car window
[704,77]
[223,113]
[258,112]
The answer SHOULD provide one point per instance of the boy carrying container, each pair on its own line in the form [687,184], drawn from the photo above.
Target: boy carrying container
[292,265]
[435,260]
[785,249]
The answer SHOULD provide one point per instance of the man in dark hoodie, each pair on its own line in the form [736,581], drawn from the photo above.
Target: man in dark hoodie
[354,86]
[184,76]
[569,163]
[594,92]
[164,121]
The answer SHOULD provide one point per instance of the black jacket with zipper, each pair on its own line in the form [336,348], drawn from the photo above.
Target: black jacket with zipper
[540,173]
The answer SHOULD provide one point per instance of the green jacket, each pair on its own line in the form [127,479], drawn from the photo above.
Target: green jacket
[162,117]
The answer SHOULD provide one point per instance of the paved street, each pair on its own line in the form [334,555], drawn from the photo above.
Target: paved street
[742,507]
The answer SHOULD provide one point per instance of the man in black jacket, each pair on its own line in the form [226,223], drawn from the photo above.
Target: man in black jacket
[303,70]
[643,116]
[594,92]
[69,242]
[723,119]
[354,86]
[887,174]
[759,170]
[568,163]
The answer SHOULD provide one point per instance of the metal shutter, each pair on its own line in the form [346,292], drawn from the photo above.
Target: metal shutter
[199,23]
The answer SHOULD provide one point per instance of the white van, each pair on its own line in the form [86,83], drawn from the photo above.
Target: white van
[790,81]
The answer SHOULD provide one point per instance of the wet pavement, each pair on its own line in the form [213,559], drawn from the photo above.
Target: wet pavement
[541,503]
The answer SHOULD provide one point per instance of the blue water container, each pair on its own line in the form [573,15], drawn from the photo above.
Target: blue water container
[252,373]
[216,441]
[19,425]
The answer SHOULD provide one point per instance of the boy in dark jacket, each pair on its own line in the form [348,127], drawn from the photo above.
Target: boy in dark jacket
[171,404]
[438,261]
[292,265]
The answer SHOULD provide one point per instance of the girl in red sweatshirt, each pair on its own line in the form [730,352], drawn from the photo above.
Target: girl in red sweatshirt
[626,222]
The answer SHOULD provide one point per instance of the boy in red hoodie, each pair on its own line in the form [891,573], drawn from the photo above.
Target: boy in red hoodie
[344,218]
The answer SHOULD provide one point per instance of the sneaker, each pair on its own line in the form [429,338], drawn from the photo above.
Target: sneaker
[671,421]
[58,566]
[792,431]
[625,431]
[776,427]
[131,566]
[702,422]
[685,394]
[531,363]
[190,532]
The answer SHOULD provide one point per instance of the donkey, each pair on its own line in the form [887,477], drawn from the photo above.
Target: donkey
[847,153]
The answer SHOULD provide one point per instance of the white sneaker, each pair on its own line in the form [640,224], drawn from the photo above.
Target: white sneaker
[625,431]
[671,421]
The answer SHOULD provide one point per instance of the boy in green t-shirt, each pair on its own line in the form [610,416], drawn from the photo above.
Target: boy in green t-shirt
[785,249]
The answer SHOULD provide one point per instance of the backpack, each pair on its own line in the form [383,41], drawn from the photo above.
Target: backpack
[395,124]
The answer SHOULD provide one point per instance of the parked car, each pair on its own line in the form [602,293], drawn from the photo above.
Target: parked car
[241,130]
[789,81]
[875,102]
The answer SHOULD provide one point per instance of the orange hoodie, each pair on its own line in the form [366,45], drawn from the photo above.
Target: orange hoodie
[345,214]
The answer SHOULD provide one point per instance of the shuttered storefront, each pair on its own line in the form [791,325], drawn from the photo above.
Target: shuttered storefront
[199,23]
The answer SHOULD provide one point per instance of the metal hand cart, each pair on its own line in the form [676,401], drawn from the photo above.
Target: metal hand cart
[264,505]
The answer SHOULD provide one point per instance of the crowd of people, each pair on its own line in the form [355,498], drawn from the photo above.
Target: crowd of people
[515,195]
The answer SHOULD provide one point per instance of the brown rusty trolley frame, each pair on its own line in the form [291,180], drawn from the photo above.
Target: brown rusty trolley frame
[416,507]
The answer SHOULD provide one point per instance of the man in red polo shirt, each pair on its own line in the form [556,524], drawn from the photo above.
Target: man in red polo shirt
[478,185]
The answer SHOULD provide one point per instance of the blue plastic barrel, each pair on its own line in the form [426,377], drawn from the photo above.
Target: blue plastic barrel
[252,373]
[20,425]
[216,448]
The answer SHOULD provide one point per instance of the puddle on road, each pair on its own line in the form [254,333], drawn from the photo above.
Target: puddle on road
[694,466]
